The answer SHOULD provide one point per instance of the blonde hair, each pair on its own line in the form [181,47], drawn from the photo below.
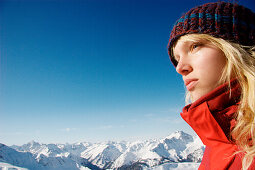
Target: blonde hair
[241,65]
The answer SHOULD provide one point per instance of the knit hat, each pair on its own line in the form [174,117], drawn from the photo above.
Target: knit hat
[225,20]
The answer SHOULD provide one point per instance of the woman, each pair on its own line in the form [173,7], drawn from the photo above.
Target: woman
[212,47]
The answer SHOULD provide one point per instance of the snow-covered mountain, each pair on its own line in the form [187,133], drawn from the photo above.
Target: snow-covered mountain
[178,147]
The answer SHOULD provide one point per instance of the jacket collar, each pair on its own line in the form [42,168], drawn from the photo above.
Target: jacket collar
[212,116]
[219,98]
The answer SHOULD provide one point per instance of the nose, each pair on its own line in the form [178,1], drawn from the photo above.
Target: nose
[183,67]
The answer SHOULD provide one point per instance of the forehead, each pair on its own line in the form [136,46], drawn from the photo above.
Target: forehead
[181,45]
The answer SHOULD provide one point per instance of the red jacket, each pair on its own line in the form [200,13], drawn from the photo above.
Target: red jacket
[211,117]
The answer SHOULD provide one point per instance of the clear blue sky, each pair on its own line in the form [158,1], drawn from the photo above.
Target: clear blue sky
[91,70]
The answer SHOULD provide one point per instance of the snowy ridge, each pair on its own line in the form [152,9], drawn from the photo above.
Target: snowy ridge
[176,150]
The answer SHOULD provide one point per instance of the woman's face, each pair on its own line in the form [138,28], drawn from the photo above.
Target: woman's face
[200,64]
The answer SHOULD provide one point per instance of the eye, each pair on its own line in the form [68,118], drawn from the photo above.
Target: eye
[195,46]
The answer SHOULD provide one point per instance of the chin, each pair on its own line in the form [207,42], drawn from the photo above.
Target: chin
[195,96]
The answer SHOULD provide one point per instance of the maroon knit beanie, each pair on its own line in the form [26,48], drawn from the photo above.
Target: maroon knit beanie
[225,20]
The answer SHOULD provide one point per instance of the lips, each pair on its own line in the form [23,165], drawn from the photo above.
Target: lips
[190,83]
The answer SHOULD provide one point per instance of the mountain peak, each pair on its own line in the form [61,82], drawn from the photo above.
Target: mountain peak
[178,135]
[33,142]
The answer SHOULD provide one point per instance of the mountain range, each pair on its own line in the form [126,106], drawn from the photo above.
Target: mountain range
[172,152]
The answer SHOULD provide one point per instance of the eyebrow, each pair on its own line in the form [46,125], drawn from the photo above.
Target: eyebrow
[185,43]
[175,57]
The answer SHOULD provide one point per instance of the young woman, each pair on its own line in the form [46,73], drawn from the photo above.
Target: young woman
[213,47]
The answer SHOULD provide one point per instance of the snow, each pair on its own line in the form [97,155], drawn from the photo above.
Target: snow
[166,166]
[125,159]
[176,166]
[6,166]
[170,152]
[102,153]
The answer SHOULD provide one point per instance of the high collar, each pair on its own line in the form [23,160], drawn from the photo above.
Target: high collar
[219,98]
[212,116]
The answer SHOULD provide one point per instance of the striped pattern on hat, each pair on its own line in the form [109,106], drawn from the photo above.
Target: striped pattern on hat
[225,20]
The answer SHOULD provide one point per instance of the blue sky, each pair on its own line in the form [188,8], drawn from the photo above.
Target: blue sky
[91,70]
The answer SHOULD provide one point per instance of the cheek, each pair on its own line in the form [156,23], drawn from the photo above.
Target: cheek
[211,66]
[218,63]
